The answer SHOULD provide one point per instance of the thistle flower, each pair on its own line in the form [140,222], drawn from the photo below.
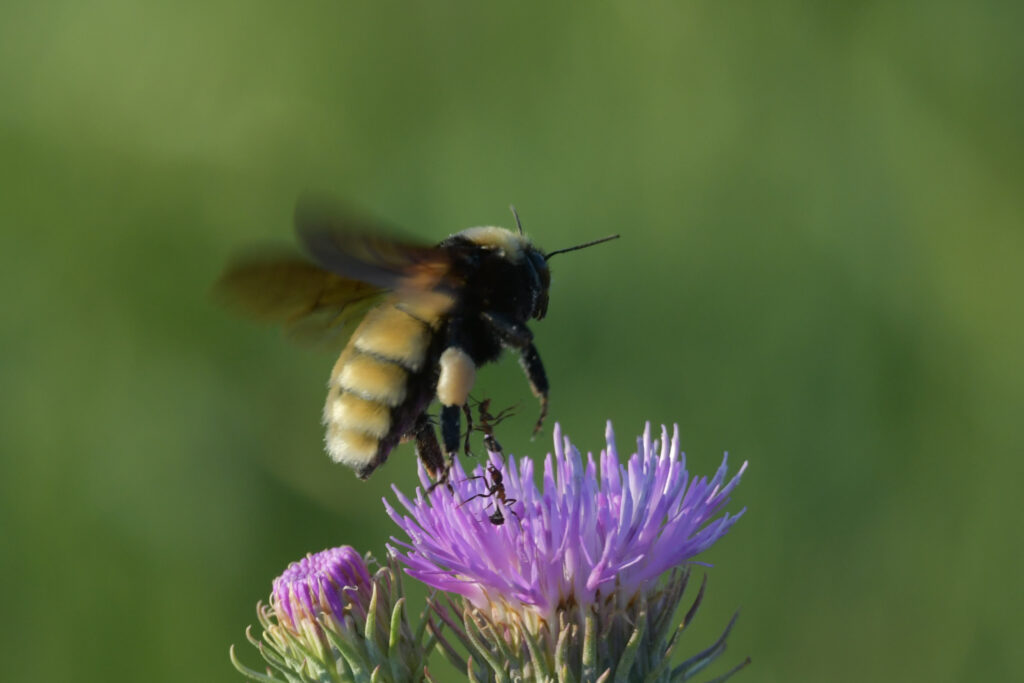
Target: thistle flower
[578,578]
[330,620]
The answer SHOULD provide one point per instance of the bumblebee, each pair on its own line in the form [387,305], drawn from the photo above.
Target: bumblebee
[430,316]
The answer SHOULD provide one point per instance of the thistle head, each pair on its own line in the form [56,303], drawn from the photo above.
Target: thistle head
[575,565]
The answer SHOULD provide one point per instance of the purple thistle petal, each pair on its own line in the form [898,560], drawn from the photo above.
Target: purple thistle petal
[594,527]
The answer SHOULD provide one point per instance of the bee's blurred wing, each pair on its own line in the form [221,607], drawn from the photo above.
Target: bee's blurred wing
[314,306]
[341,242]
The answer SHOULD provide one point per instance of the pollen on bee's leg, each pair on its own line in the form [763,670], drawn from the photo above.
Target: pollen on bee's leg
[458,372]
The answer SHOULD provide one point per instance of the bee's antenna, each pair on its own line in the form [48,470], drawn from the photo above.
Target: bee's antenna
[547,256]
[516,214]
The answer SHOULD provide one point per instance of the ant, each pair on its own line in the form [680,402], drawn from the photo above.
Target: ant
[496,490]
[488,422]
[496,487]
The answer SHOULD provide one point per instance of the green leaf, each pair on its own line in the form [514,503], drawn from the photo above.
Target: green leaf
[399,669]
[247,672]
[474,634]
[355,659]
[728,674]
[448,651]
[695,664]
[625,663]
[589,647]
[565,674]
[541,663]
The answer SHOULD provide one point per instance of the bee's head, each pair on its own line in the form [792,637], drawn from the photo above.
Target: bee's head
[517,271]
[537,265]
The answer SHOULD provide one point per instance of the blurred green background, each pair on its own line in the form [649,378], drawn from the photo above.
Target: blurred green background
[820,272]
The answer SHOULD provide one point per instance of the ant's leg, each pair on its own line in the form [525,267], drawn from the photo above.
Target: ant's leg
[488,494]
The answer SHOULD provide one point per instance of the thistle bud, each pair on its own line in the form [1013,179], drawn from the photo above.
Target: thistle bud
[330,620]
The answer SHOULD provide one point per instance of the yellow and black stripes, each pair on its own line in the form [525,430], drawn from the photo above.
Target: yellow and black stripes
[393,335]
[378,384]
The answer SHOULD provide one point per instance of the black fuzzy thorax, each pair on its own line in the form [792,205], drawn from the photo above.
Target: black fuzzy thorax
[490,283]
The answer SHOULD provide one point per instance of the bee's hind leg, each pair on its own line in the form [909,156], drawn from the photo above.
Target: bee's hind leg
[437,464]
[451,419]
[469,427]
[428,450]
[454,382]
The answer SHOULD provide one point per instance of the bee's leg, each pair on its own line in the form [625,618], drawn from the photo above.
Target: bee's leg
[450,428]
[519,336]
[511,332]
[469,427]
[427,448]
[530,360]
[457,374]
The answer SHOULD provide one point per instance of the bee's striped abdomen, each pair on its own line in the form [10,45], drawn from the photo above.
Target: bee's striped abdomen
[378,384]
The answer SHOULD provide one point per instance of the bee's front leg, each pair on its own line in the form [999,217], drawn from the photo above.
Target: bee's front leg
[530,360]
[517,335]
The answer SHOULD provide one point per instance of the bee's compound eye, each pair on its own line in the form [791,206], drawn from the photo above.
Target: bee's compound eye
[541,276]
[540,266]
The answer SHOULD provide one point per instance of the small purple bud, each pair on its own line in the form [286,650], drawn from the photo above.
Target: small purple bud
[329,581]
[329,620]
